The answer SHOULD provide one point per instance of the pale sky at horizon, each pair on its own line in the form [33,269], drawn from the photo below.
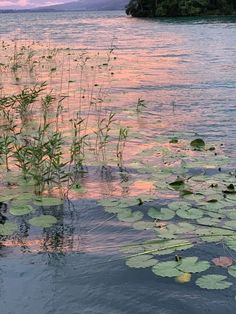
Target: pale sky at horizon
[24,4]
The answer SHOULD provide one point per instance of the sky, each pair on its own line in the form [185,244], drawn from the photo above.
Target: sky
[24,4]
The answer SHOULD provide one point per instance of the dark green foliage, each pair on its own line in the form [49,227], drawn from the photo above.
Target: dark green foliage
[152,8]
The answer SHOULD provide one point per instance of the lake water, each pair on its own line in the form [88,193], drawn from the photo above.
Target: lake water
[185,71]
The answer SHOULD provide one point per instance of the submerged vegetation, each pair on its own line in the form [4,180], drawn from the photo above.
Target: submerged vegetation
[171,8]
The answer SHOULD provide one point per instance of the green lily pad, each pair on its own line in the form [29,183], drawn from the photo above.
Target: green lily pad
[171,230]
[115,210]
[213,282]
[177,185]
[230,213]
[167,269]
[162,214]
[8,229]
[179,205]
[21,210]
[232,270]
[231,242]
[208,221]
[231,224]
[198,144]
[78,188]
[6,198]
[44,221]
[143,225]
[141,261]
[48,201]
[109,202]
[192,265]
[190,213]
[129,216]
[213,234]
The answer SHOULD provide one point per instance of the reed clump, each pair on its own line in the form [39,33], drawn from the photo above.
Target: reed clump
[52,129]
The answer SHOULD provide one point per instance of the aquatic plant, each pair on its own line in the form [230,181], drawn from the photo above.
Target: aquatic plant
[122,139]
[32,118]
[200,212]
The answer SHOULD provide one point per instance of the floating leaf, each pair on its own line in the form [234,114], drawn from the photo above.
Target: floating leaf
[231,243]
[78,188]
[21,210]
[48,201]
[232,271]
[7,229]
[129,216]
[190,213]
[231,224]
[223,261]
[212,234]
[213,282]
[177,184]
[186,277]
[230,214]
[171,230]
[143,225]
[161,214]
[44,221]
[6,198]
[167,269]
[174,140]
[179,205]
[192,265]
[198,144]
[208,221]
[141,261]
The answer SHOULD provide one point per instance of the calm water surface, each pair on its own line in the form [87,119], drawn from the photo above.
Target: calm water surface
[185,69]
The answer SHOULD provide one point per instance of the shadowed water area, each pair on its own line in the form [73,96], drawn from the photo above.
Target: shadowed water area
[185,72]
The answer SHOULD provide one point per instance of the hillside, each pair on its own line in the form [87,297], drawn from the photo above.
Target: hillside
[89,5]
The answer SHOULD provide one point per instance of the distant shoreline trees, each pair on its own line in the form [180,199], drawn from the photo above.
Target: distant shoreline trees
[173,8]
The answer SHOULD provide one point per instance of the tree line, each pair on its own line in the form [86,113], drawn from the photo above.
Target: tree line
[172,8]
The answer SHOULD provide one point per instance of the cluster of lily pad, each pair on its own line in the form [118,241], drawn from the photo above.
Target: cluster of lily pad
[26,205]
[201,210]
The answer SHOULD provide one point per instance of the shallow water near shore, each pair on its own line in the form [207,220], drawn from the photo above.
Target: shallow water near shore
[185,70]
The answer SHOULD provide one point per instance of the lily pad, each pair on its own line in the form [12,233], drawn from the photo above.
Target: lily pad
[192,265]
[167,269]
[213,282]
[232,271]
[190,213]
[44,221]
[143,225]
[8,229]
[129,216]
[198,144]
[179,205]
[230,214]
[21,210]
[141,261]
[177,185]
[48,201]
[223,261]
[6,198]
[162,214]
[208,221]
